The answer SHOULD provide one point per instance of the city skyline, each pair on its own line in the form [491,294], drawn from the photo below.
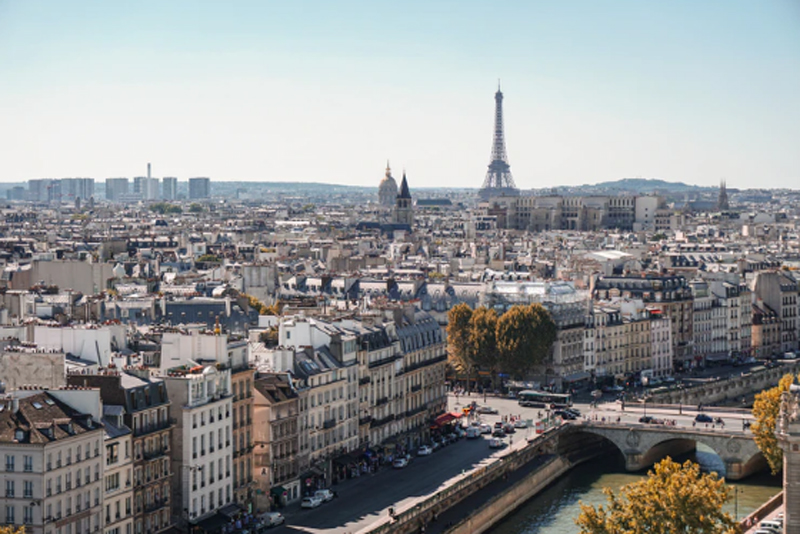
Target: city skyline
[314,93]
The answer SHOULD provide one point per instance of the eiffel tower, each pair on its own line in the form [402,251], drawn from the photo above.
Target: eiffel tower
[499,181]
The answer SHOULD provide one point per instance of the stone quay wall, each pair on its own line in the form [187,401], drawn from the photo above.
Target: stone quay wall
[409,520]
[508,501]
[725,389]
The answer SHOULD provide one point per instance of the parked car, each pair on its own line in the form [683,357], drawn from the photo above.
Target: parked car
[703,418]
[310,502]
[473,432]
[425,450]
[486,428]
[272,519]
[508,428]
[324,494]
[520,423]
[486,409]
[496,443]
[400,463]
[498,432]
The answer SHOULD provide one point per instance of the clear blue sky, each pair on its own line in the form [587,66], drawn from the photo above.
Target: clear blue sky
[326,91]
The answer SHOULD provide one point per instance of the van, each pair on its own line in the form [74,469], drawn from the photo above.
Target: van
[771,525]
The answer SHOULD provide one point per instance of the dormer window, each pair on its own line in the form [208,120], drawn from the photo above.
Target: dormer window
[19,435]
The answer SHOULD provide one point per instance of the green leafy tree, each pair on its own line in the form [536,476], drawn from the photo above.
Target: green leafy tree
[525,335]
[482,339]
[766,408]
[673,498]
[195,208]
[458,329]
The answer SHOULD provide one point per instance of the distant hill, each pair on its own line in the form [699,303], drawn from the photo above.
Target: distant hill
[648,184]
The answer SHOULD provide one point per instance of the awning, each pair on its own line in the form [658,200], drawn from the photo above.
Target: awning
[231,510]
[277,490]
[345,459]
[580,375]
[213,523]
[446,418]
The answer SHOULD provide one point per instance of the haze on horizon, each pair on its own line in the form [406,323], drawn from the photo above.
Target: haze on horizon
[327,91]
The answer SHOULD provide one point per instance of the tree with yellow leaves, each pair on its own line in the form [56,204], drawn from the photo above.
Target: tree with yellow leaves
[458,328]
[12,530]
[673,498]
[765,411]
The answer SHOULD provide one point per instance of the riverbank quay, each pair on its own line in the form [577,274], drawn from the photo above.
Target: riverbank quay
[724,390]
[750,524]
[432,509]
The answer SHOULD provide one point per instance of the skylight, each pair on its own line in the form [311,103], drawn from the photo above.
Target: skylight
[49,402]
[37,405]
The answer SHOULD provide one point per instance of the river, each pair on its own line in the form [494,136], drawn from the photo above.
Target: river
[554,510]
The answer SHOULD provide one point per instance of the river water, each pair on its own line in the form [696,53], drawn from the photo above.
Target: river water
[555,509]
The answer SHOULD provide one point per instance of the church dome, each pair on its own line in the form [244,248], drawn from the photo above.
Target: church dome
[387,191]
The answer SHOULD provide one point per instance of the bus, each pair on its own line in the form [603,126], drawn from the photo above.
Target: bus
[544,399]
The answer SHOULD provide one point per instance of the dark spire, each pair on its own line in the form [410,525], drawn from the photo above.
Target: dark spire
[404,192]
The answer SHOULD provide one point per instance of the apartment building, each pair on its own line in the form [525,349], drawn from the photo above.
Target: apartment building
[226,351]
[50,442]
[118,473]
[671,294]
[779,291]
[661,344]
[424,350]
[145,407]
[202,451]
[277,442]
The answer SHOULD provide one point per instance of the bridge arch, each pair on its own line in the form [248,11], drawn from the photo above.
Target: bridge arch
[644,445]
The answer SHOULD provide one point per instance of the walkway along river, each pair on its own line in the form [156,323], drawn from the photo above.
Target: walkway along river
[554,510]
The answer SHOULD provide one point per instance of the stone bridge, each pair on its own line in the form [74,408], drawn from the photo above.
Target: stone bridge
[644,445]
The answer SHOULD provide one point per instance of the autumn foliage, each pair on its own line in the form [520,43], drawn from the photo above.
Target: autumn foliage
[673,498]
[765,411]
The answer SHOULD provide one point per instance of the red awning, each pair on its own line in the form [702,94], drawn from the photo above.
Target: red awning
[446,418]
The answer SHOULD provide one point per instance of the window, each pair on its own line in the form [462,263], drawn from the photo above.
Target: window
[9,462]
[112,482]
[28,489]
[78,454]
[28,463]
[9,488]
[10,515]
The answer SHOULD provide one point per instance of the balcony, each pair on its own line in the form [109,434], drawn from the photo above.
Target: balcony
[156,505]
[367,419]
[380,422]
[417,410]
[383,361]
[426,363]
[416,388]
[364,381]
[330,423]
[381,401]
[152,455]
[149,429]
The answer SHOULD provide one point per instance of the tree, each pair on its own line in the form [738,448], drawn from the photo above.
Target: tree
[458,319]
[765,411]
[195,208]
[12,530]
[483,340]
[525,335]
[673,498]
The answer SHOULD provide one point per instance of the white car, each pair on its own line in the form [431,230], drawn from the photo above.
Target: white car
[486,428]
[495,443]
[400,463]
[324,494]
[310,502]
[272,519]
[425,450]
[520,423]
